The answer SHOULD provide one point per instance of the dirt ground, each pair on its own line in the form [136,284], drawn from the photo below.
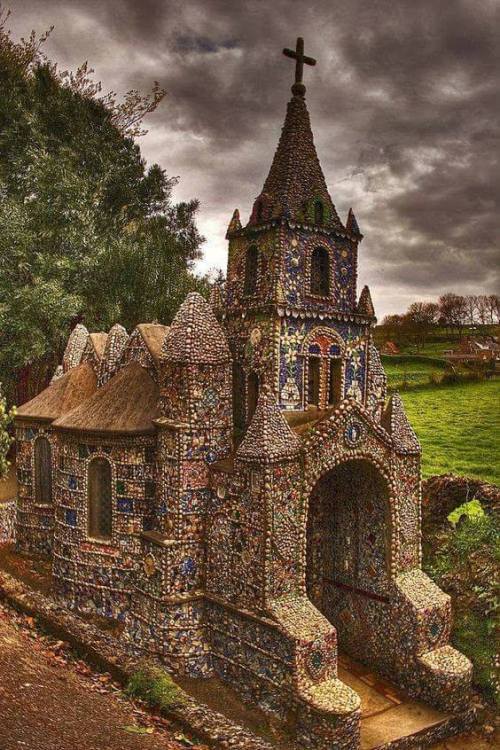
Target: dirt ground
[49,701]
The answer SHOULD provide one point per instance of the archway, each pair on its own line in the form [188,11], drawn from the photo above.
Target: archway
[348,531]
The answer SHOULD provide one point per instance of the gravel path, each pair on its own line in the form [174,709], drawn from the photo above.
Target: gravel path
[50,701]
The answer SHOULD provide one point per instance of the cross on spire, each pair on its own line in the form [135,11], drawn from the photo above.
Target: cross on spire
[298,55]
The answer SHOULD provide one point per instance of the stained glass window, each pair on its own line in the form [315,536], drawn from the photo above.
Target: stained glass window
[99,499]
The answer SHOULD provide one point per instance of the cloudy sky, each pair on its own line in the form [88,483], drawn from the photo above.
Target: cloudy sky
[404,102]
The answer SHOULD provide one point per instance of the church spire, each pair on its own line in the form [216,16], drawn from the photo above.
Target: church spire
[295,187]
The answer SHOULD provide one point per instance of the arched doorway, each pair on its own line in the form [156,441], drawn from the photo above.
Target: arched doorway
[347,538]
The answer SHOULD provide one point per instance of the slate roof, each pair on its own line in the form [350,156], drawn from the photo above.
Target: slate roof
[62,395]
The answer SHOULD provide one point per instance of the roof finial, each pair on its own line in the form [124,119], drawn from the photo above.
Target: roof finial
[298,55]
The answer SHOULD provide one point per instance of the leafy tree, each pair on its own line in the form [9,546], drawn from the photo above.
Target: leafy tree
[419,320]
[6,417]
[88,233]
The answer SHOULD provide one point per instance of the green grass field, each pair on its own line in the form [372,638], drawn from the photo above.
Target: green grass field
[458,427]
[412,373]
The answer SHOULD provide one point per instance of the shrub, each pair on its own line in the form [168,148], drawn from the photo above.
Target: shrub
[155,686]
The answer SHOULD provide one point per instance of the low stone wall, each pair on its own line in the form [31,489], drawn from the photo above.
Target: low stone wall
[442,494]
[7,520]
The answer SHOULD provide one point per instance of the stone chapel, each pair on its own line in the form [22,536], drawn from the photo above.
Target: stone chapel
[236,488]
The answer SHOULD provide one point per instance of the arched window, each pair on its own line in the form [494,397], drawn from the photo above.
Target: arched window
[238,396]
[99,499]
[251,268]
[43,471]
[335,382]
[252,394]
[313,378]
[320,272]
[319,212]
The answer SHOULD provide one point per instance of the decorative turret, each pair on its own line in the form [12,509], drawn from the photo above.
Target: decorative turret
[365,304]
[75,347]
[352,225]
[268,459]
[195,336]
[113,350]
[396,423]
[269,437]
[196,410]
[234,224]
[295,188]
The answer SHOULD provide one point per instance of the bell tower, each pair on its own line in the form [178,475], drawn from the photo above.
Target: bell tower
[291,304]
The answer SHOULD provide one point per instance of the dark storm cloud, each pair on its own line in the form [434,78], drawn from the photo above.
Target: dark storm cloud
[404,104]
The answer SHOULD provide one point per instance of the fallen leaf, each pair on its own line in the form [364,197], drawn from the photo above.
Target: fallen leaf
[132,729]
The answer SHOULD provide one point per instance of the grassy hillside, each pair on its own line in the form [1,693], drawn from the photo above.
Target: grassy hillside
[458,427]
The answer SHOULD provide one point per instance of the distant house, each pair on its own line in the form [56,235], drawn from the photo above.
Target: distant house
[390,347]
[472,349]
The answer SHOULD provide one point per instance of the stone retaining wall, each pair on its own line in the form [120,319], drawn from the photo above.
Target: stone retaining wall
[7,520]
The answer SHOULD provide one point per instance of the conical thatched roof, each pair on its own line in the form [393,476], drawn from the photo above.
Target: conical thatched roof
[195,336]
[127,404]
[62,395]
[153,335]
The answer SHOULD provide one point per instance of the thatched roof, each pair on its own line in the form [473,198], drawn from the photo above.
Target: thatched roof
[125,405]
[98,341]
[153,335]
[62,395]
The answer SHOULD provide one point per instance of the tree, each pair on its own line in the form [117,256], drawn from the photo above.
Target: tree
[394,329]
[6,417]
[493,307]
[453,311]
[87,232]
[419,320]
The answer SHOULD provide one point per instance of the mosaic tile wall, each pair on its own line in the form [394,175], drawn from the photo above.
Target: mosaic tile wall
[92,575]
[34,521]
[7,521]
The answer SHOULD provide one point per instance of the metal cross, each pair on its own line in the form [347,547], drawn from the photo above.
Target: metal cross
[298,55]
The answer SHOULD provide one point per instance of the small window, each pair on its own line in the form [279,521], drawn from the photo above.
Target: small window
[251,268]
[43,471]
[319,212]
[259,214]
[320,272]
[252,395]
[313,371]
[238,396]
[99,499]
[335,382]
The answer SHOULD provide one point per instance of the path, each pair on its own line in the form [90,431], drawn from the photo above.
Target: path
[50,702]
